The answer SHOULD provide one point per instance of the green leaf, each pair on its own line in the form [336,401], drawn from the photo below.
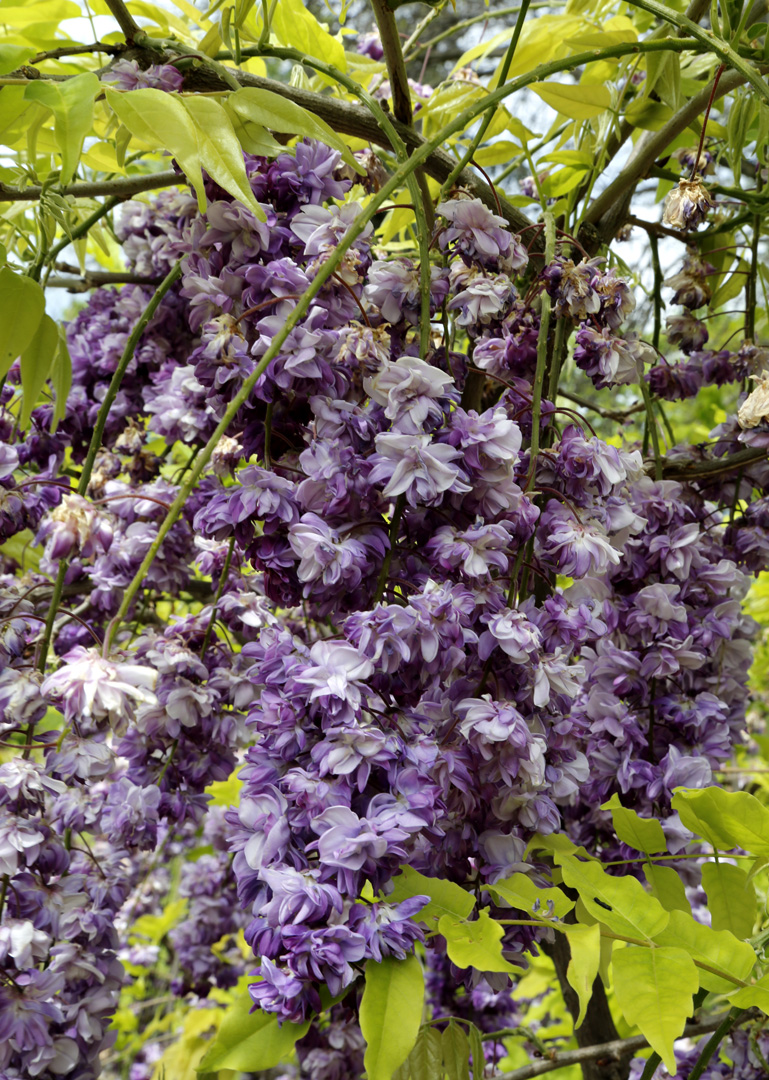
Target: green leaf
[426,1059]
[61,380]
[220,152]
[456,1052]
[731,898]
[667,887]
[497,153]
[22,306]
[475,944]
[391,1013]
[476,1049]
[654,989]
[563,180]
[297,27]
[521,892]
[13,56]
[621,903]
[254,138]
[446,898]
[155,927]
[718,948]
[578,102]
[755,995]
[732,286]
[279,114]
[648,115]
[643,834]
[71,103]
[196,131]
[250,1041]
[726,819]
[585,945]
[36,362]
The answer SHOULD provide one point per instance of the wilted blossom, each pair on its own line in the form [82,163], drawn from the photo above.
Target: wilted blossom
[755,408]
[691,286]
[687,205]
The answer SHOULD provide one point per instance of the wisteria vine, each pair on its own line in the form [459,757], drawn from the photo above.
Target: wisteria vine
[422,627]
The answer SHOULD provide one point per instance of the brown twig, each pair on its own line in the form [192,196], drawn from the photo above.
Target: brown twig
[124,19]
[614,1050]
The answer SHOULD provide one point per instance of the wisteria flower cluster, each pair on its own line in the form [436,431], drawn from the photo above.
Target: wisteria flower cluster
[419,643]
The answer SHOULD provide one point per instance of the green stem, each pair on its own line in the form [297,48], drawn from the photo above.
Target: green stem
[751,297]
[484,126]
[419,193]
[728,56]
[542,355]
[95,444]
[384,573]
[559,351]
[80,230]
[655,252]
[714,1041]
[651,1066]
[393,55]
[431,16]
[651,427]
[217,597]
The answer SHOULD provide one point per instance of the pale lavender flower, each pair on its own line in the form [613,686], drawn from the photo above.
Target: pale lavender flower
[89,686]
[127,75]
[411,391]
[417,467]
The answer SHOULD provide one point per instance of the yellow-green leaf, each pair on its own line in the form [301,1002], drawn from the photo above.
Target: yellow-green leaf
[731,898]
[22,306]
[198,133]
[755,995]
[573,100]
[668,888]
[585,946]
[13,56]
[521,892]
[446,897]
[36,362]
[250,1041]
[476,944]
[45,11]
[718,948]
[71,103]
[654,989]
[61,379]
[643,834]
[294,25]
[279,114]
[391,1013]
[219,150]
[621,903]
[726,819]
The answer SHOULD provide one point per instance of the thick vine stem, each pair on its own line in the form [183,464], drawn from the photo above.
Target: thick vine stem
[124,19]
[393,55]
